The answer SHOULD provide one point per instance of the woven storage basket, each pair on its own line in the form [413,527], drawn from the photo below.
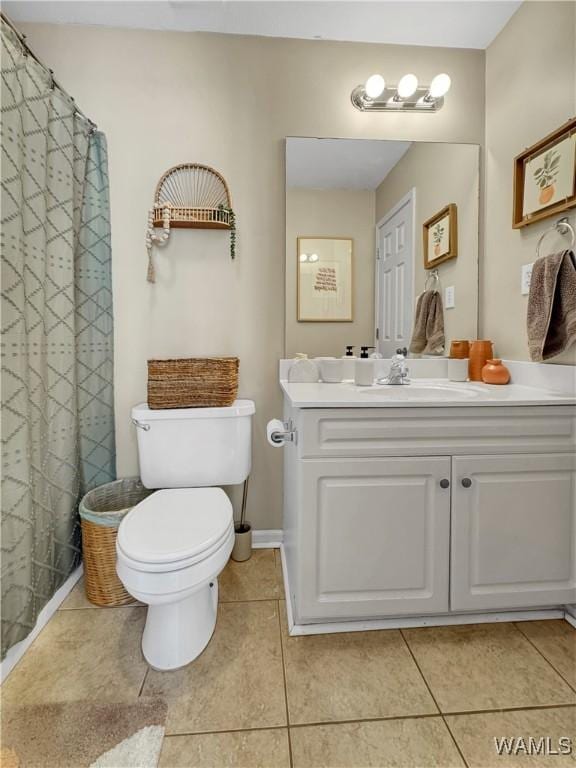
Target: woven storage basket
[101,511]
[195,382]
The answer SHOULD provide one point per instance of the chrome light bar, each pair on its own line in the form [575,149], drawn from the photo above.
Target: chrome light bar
[389,101]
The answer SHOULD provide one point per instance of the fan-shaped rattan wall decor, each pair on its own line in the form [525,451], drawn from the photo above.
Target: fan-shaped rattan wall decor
[190,196]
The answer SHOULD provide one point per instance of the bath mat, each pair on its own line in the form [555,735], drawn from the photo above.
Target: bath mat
[82,734]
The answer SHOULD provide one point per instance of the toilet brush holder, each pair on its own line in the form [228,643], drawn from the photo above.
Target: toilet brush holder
[242,549]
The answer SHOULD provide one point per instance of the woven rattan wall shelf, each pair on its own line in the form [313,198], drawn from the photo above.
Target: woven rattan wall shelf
[189,196]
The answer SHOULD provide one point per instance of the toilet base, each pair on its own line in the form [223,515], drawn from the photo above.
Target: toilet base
[176,633]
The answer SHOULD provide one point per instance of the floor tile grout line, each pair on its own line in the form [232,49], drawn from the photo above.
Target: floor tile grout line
[143,681]
[285,683]
[251,600]
[426,683]
[227,730]
[114,607]
[465,713]
[459,713]
[568,683]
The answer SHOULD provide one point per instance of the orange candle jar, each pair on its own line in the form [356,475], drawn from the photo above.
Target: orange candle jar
[495,373]
[480,351]
[460,349]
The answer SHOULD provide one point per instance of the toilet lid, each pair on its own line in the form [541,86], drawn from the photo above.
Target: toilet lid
[175,524]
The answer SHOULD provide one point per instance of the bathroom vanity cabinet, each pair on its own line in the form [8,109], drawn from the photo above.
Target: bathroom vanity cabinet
[413,511]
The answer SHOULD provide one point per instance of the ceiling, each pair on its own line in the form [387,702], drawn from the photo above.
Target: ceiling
[451,23]
[340,163]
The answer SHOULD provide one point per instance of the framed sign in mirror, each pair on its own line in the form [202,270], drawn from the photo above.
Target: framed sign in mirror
[545,177]
[325,283]
[440,237]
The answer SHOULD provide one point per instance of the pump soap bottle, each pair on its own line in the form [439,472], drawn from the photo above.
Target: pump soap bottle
[364,369]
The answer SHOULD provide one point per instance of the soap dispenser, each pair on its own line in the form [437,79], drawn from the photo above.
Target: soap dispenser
[364,369]
[349,353]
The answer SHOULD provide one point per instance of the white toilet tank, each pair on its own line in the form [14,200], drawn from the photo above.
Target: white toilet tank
[194,447]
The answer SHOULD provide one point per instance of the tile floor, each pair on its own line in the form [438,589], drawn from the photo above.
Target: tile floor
[257,697]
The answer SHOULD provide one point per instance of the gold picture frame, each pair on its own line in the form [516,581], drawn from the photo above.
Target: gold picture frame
[440,236]
[545,177]
[325,279]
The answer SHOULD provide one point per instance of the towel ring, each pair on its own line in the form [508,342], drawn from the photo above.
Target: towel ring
[562,226]
[432,275]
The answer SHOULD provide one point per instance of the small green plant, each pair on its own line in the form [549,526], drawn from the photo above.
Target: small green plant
[232,218]
[437,233]
[546,175]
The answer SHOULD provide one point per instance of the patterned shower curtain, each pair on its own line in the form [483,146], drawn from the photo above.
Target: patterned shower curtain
[57,333]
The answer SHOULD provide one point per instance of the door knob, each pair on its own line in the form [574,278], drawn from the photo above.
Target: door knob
[466,482]
[444,483]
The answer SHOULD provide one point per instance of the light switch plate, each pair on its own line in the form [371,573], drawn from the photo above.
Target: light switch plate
[526,277]
[449,297]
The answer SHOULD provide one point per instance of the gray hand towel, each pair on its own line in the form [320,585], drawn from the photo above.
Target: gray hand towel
[551,317]
[428,332]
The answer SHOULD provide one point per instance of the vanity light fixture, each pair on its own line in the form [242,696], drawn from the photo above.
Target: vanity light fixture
[308,257]
[407,96]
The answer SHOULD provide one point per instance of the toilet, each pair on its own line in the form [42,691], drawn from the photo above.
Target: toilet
[172,546]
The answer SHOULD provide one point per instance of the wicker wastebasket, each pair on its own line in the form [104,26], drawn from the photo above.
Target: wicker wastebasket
[101,511]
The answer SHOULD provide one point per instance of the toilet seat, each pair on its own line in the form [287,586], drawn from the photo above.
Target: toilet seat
[173,529]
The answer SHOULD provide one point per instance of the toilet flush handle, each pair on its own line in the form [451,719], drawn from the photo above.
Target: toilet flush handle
[140,424]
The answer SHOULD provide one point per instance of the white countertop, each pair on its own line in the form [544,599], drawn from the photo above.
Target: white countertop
[419,393]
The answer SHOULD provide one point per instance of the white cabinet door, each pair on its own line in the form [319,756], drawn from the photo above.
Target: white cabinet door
[513,531]
[374,538]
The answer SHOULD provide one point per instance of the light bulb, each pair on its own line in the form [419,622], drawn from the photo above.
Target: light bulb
[374,86]
[303,257]
[313,257]
[440,86]
[407,86]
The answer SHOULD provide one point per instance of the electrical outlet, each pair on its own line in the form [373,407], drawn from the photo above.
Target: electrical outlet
[449,297]
[526,277]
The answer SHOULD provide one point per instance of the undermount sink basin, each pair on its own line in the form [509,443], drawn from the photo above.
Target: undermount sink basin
[421,392]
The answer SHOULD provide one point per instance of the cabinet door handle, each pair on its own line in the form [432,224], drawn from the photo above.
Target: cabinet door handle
[444,483]
[466,482]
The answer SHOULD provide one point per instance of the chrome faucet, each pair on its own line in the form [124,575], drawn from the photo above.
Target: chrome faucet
[398,373]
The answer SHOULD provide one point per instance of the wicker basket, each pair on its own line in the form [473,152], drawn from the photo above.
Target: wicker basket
[201,382]
[101,511]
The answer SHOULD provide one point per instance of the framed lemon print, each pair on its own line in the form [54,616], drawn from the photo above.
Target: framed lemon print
[545,177]
[440,233]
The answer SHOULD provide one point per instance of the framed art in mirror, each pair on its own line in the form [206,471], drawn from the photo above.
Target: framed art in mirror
[545,177]
[324,283]
[440,236]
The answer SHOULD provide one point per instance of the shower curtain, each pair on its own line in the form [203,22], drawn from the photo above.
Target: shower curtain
[57,366]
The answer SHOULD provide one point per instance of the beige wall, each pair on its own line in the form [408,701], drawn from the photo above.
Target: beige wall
[334,213]
[530,91]
[164,98]
[442,174]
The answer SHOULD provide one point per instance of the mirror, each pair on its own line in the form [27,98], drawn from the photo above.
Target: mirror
[370,226]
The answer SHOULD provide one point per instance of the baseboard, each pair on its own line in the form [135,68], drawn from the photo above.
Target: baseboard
[17,651]
[570,614]
[263,539]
